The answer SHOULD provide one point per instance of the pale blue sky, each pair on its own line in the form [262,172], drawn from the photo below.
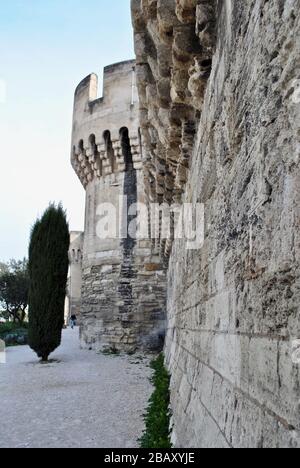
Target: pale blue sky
[46,48]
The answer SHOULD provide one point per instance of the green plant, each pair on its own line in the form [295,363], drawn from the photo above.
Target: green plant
[14,286]
[112,351]
[157,419]
[48,270]
[13,334]
[9,327]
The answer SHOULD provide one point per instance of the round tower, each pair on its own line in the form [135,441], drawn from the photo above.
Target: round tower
[123,282]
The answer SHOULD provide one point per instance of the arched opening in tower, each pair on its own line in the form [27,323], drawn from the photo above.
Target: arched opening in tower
[81,147]
[110,154]
[126,149]
[96,154]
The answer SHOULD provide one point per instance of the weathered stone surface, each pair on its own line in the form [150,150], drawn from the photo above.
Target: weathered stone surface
[173,65]
[221,126]
[73,306]
[123,303]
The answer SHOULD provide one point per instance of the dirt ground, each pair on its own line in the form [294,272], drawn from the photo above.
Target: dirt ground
[83,400]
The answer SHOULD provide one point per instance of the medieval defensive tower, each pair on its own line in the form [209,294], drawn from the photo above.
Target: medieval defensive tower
[123,281]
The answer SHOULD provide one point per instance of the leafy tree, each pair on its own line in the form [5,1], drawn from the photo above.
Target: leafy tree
[14,287]
[4,268]
[48,270]
[3,313]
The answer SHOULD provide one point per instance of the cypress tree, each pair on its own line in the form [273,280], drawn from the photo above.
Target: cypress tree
[48,272]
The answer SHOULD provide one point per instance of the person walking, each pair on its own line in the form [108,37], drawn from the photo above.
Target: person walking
[73,321]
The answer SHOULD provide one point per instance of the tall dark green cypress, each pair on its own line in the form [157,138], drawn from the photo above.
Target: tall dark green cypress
[48,272]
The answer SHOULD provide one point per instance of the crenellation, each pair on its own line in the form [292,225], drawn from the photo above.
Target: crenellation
[117,310]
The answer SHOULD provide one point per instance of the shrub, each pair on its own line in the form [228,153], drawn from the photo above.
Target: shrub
[13,334]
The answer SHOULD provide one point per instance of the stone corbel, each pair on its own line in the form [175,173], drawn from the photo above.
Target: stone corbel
[206,24]
[90,154]
[106,167]
[86,165]
[106,164]
[119,155]
[199,74]
[136,153]
[102,151]
[185,10]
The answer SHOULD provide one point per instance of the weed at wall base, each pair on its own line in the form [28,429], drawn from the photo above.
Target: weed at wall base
[157,433]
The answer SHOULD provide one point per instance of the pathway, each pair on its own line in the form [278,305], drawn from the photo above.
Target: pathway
[84,401]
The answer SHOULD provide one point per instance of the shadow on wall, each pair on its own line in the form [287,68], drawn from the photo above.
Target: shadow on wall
[155,341]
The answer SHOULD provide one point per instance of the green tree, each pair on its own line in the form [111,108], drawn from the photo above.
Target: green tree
[14,287]
[48,271]
[4,268]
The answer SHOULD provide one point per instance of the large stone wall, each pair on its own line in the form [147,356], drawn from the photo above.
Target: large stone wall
[75,274]
[123,304]
[233,306]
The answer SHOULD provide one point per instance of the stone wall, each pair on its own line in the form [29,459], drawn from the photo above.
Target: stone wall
[233,125]
[75,275]
[123,303]
[172,72]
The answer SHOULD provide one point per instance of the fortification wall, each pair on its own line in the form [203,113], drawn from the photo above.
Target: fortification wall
[233,306]
[123,281]
[75,274]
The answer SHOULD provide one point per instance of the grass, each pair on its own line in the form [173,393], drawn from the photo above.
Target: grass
[111,352]
[158,434]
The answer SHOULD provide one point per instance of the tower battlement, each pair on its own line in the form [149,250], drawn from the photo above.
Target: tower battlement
[123,294]
[103,126]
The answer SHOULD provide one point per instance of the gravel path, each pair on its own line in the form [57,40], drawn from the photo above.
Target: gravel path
[83,401]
